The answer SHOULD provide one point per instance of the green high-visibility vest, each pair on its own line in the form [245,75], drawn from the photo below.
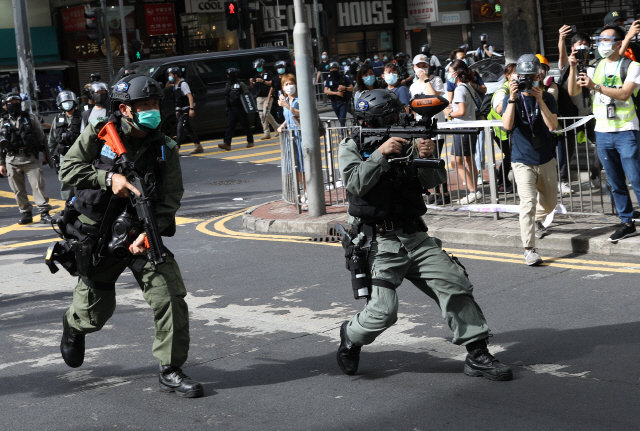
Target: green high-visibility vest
[625,110]
[493,115]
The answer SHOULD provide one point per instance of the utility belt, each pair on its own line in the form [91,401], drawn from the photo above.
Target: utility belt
[22,151]
[409,226]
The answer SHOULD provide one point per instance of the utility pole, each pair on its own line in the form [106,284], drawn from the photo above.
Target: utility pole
[316,17]
[26,67]
[308,112]
[519,18]
[123,26]
[107,38]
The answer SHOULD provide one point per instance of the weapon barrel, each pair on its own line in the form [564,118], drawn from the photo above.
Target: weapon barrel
[428,163]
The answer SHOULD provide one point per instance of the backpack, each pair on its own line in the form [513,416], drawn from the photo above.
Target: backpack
[478,101]
[486,106]
[624,68]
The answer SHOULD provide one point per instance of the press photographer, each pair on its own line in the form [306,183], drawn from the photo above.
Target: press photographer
[390,239]
[613,81]
[530,113]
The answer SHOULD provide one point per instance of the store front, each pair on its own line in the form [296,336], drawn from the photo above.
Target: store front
[204,28]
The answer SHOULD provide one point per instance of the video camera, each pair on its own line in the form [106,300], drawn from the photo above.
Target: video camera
[582,55]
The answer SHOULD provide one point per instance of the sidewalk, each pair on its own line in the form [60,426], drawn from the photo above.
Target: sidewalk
[570,234]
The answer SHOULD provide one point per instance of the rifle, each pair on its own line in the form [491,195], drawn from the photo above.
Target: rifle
[142,204]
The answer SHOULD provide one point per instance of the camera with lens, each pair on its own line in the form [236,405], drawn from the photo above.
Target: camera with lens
[5,135]
[582,55]
[525,84]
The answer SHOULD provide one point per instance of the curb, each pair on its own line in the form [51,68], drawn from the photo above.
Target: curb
[587,243]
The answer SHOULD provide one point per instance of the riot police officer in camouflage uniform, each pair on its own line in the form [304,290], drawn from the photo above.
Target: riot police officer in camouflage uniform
[21,139]
[64,132]
[90,167]
[385,209]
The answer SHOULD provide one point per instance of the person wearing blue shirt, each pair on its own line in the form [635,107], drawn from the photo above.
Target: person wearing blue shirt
[531,115]
[391,78]
[377,65]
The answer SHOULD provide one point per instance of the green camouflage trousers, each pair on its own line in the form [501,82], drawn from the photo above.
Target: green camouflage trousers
[94,302]
[416,257]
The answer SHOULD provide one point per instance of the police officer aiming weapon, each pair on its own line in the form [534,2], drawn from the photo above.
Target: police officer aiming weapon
[128,188]
[389,241]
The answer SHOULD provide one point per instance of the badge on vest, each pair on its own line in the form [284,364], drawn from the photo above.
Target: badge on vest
[107,152]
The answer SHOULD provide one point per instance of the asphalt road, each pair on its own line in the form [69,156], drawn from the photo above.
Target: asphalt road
[265,312]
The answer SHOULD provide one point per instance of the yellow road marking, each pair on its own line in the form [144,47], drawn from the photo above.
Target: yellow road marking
[221,230]
[185,220]
[244,156]
[265,160]
[225,151]
[234,150]
[26,244]
[57,204]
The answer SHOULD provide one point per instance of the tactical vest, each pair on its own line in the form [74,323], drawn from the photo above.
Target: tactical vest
[24,136]
[66,133]
[180,100]
[396,196]
[93,202]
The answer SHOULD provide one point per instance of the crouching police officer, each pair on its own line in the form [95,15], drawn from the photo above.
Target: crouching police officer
[64,132]
[89,166]
[385,209]
[21,137]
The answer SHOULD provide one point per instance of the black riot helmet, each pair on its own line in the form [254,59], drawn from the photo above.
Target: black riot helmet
[378,107]
[426,49]
[232,74]
[66,100]
[13,108]
[281,65]
[128,72]
[258,63]
[174,70]
[100,99]
[94,77]
[484,38]
[133,88]
[334,65]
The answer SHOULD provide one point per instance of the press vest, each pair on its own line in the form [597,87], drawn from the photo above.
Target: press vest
[493,115]
[625,110]
[396,196]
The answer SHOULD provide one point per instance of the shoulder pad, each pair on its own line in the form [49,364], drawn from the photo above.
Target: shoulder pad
[170,143]
[99,120]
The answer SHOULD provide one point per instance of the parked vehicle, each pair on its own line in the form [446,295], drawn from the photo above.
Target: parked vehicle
[206,75]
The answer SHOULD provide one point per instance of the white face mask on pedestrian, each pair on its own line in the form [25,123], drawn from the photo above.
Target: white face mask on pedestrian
[290,89]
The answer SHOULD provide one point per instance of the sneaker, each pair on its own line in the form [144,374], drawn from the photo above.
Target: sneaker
[532,257]
[505,189]
[596,183]
[480,180]
[225,147]
[541,231]
[471,198]
[624,231]
[443,199]
[265,137]
[481,363]
[565,188]
[432,198]
[251,144]
[197,150]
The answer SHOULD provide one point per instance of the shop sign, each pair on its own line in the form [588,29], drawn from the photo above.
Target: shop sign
[160,18]
[358,13]
[204,6]
[113,18]
[450,18]
[422,11]
[73,19]
[286,19]
[273,41]
[483,11]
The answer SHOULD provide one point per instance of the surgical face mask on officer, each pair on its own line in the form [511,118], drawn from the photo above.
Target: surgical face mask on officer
[391,78]
[369,80]
[145,120]
[14,108]
[259,69]
[67,106]
[171,79]
[290,89]
[281,71]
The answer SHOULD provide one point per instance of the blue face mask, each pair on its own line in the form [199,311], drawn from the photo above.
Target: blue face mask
[171,79]
[324,57]
[391,78]
[281,71]
[536,84]
[375,58]
[369,80]
[344,63]
[451,78]
[147,121]
[259,69]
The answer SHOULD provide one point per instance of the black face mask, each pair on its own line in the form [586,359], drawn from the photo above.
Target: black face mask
[335,75]
[14,108]
[233,77]
[100,98]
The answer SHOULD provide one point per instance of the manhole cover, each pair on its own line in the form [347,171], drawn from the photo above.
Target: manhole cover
[230,182]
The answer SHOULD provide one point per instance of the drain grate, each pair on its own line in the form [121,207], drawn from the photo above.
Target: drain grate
[326,238]
[229,182]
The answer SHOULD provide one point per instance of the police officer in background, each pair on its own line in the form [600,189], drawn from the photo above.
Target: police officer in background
[405,76]
[89,166]
[339,88]
[277,110]
[94,77]
[485,50]
[262,84]
[185,108]
[64,132]
[385,209]
[235,111]
[99,94]
[21,139]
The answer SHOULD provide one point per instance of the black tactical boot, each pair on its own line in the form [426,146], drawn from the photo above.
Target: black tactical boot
[45,218]
[481,363]
[172,379]
[26,218]
[71,345]
[348,354]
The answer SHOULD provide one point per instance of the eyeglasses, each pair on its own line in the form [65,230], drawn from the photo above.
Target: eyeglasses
[606,39]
